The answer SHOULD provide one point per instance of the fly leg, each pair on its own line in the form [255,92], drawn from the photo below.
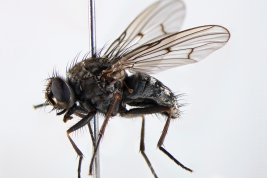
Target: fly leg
[161,140]
[142,147]
[89,126]
[91,133]
[140,112]
[77,126]
[102,130]
[152,110]
[80,113]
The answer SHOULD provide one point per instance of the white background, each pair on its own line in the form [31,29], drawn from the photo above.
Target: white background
[222,133]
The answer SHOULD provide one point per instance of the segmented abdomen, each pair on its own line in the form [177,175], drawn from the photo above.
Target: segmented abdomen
[148,91]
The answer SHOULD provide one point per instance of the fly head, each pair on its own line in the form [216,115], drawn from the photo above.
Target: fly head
[59,94]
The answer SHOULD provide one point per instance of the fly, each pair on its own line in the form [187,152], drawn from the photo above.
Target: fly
[152,43]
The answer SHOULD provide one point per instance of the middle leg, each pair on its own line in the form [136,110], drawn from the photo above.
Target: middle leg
[102,130]
[142,147]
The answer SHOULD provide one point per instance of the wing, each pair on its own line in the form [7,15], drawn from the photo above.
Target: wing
[177,49]
[158,20]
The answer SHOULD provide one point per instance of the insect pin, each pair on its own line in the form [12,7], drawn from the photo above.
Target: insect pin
[152,43]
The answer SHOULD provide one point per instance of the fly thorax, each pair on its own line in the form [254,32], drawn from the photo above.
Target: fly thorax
[96,65]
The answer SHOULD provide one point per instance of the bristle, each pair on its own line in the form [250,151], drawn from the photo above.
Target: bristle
[85,56]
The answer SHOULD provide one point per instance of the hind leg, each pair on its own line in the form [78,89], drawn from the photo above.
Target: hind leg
[152,110]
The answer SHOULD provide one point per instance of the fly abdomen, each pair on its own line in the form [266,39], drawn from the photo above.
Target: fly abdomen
[148,90]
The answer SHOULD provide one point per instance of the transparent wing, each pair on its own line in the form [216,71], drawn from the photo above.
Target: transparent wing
[177,49]
[158,20]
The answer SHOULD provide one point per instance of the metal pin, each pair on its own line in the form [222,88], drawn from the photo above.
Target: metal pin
[92,48]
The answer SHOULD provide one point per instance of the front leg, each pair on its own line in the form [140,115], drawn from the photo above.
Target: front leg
[81,123]
[69,112]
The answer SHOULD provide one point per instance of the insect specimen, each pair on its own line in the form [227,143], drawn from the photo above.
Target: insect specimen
[100,84]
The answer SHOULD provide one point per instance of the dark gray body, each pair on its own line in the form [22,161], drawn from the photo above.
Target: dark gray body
[95,91]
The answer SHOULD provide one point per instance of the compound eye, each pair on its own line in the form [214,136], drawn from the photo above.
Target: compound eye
[60,90]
